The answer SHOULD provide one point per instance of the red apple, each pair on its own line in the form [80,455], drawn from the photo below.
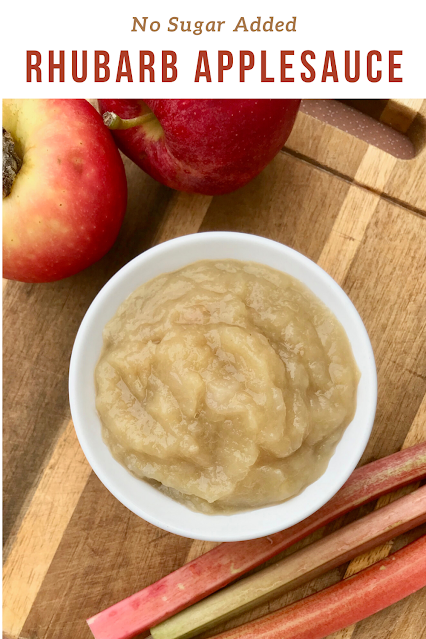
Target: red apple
[64,207]
[201,146]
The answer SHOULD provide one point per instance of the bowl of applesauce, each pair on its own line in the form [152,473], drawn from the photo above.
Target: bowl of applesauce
[222,386]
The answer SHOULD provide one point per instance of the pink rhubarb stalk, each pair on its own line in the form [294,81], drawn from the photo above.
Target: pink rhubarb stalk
[345,603]
[225,563]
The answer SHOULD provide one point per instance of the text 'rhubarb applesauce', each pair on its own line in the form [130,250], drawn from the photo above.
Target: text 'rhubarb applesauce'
[226,384]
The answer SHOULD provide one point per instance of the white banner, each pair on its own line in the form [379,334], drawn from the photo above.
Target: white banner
[187,49]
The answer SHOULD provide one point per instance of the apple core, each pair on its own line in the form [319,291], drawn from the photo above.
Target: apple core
[11,162]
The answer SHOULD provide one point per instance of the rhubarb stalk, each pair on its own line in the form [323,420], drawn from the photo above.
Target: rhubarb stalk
[292,571]
[225,563]
[345,603]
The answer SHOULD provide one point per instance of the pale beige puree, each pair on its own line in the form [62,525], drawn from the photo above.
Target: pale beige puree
[226,383]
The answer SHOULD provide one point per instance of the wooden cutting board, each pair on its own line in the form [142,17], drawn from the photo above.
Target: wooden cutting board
[71,549]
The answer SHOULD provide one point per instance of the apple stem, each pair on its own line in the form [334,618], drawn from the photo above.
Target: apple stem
[11,163]
[114,122]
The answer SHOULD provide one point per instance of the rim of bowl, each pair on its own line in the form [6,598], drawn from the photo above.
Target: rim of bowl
[333,478]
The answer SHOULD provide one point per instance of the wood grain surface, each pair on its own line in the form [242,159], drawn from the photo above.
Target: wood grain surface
[70,548]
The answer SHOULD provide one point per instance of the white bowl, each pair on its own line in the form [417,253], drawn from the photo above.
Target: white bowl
[145,500]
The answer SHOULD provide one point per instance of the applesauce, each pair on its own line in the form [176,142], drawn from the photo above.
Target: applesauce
[226,384]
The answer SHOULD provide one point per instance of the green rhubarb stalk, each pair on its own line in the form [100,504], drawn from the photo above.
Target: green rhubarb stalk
[328,553]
